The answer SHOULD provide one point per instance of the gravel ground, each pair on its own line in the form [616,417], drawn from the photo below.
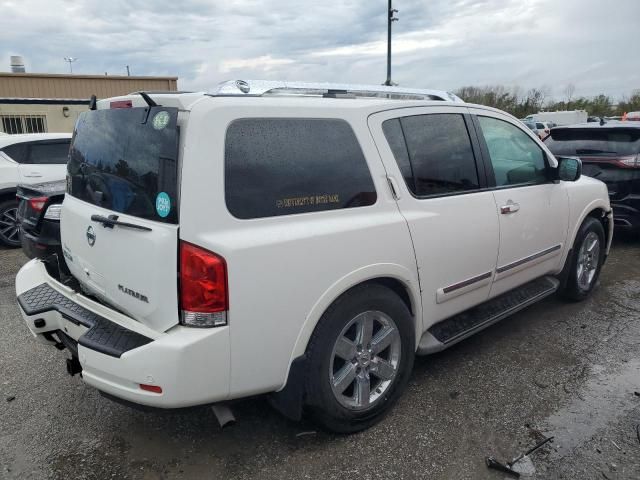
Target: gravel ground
[568,370]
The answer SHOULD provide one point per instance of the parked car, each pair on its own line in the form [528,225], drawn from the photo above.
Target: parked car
[611,153]
[302,241]
[27,159]
[39,218]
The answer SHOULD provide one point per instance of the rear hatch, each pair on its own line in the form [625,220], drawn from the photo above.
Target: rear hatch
[119,224]
[610,154]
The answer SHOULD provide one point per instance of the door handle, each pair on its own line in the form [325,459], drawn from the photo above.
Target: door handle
[510,207]
[33,175]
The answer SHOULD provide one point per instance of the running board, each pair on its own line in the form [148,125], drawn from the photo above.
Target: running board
[454,329]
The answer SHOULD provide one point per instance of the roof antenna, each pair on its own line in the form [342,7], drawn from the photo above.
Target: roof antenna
[148,99]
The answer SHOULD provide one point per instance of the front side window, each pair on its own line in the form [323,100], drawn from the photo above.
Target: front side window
[515,157]
[283,166]
[435,156]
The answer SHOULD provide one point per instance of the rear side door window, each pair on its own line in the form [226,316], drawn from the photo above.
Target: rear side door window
[515,157]
[42,153]
[434,153]
[284,166]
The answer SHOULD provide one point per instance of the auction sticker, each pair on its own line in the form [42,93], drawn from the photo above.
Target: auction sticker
[163,204]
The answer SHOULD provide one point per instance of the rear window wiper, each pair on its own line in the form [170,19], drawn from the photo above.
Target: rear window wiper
[112,220]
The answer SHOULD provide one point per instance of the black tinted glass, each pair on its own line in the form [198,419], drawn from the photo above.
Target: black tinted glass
[594,141]
[282,166]
[125,160]
[17,152]
[393,132]
[49,153]
[441,155]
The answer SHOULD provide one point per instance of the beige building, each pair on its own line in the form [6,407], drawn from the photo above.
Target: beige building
[40,102]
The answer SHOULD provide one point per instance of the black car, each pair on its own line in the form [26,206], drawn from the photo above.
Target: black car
[609,152]
[39,218]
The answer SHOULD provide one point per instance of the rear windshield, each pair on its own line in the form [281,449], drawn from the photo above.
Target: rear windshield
[126,160]
[591,141]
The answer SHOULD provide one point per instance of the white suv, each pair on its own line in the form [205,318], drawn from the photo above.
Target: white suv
[303,240]
[27,159]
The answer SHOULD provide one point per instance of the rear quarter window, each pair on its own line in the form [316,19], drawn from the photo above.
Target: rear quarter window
[284,166]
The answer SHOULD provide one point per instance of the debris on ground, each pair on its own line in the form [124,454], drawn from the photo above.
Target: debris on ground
[616,445]
[501,467]
[304,434]
[521,464]
[11,398]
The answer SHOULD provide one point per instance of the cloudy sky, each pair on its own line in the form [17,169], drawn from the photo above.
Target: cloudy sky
[437,43]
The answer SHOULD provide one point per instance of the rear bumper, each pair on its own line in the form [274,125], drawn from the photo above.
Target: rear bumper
[117,354]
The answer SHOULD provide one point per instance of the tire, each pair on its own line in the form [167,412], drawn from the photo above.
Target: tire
[9,233]
[344,406]
[583,272]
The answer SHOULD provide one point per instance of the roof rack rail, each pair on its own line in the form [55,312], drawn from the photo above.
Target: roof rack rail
[259,88]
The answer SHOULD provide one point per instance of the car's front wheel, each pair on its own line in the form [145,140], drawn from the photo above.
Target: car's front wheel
[360,358]
[9,225]
[586,261]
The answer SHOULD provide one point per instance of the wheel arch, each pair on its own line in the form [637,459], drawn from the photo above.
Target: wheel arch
[289,399]
[397,278]
[8,194]
[601,211]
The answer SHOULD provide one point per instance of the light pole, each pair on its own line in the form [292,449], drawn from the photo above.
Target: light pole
[70,60]
[390,20]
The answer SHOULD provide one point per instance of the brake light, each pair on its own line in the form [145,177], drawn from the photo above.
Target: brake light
[203,287]
[37,203]
[121,104]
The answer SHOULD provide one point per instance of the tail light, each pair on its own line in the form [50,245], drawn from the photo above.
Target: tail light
[203,287]
[632,161]
[53,212]
[37,203]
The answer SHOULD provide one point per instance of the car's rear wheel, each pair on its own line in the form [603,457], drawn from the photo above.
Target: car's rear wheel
[586,261]
[360,358]
[9,225]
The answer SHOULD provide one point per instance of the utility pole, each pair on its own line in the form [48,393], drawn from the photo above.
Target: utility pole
[128,72]
[390,20]
[70,60]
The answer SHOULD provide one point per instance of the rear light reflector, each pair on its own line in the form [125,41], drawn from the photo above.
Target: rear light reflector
[151,388]
[203,287]
[37,203]
[121,104]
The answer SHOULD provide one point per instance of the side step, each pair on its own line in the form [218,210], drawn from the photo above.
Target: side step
[454,329]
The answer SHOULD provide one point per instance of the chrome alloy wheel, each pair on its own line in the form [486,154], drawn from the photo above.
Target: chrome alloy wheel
[10,227]
[588,259]
[365,360]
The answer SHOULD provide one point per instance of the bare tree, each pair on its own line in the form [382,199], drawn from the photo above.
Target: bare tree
[569,90]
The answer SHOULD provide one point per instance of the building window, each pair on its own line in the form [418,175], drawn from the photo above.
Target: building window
[24,123]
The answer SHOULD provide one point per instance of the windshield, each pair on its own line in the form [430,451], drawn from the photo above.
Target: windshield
[125,160]
[591,141]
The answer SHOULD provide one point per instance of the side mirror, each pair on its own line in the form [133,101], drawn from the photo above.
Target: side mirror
[569,168]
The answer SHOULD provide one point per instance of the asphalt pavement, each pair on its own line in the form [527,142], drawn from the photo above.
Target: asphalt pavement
[568,370]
